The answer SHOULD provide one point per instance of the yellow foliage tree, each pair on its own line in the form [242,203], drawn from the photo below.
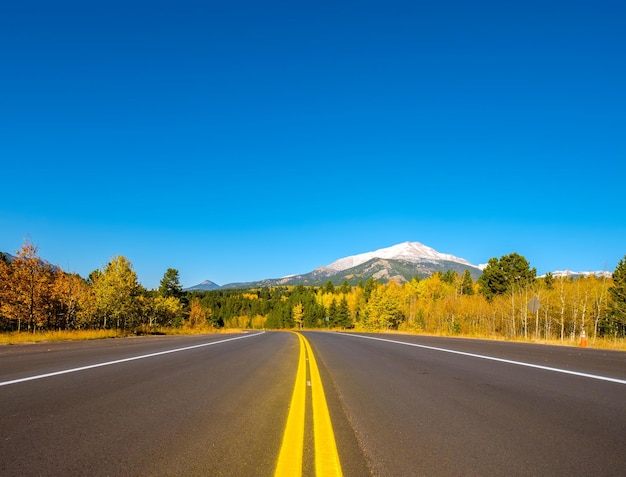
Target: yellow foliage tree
[198,315]
[116,290]
[298,314]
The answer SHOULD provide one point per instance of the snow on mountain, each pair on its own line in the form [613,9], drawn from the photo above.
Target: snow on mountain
[569,273]
[408,251]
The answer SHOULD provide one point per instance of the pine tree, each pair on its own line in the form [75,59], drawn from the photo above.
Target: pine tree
[170,284]
[332,313]
[505,275]
[343,314]
[616,319]
[467,284]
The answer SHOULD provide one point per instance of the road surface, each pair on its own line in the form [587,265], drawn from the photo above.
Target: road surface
[399,406]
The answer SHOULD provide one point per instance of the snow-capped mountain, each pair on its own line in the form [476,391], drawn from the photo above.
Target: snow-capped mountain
[407,251]
[397,263]
[571,274]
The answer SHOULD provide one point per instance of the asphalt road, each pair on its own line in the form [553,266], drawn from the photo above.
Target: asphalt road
[218,406]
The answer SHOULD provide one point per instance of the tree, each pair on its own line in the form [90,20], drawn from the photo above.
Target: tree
[170,284]
[505,275]
[298,314]
[69,293]
[198,315]
[345,287]
[332,312]
[386,307]
[5,292]
[116,289]
[343,314]
[27,297]
[329,287]
[167,311]
[467,284]
[616,317]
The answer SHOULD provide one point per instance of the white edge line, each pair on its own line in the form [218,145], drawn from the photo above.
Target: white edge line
[118,361]
[500,360]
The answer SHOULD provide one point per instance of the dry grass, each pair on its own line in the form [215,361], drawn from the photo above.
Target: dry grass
[80,335]
[616,344]
[38,337]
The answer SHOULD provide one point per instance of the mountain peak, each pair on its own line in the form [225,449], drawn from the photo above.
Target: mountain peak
[205,285]
[408,251]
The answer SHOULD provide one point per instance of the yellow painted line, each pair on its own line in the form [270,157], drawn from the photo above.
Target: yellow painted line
[327,463]
[290,456]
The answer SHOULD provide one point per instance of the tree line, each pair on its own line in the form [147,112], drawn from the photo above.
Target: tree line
[35,295]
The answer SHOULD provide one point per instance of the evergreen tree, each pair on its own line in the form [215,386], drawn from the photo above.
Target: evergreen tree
[370,285]
[505,275]
[332,313]
[449,277]
[343,314]
[345,287]
[170,284]
[329,287]
[467,284]
[616,319]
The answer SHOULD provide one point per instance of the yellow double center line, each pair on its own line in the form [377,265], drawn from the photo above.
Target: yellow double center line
[327,462]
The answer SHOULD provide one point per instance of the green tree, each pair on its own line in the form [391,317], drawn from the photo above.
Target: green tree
[449,277]
[329,287]
[505,275]
[467,284]
[343,314]
[332,313]
[370,285]
[616,316]
[345,287]
[170,284]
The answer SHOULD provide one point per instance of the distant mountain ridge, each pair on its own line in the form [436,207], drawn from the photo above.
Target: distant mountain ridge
[572,274]
[399,263]
[204,286]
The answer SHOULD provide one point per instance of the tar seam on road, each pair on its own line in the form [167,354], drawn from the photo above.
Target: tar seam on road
[118,361]
[491,358]
[327,463]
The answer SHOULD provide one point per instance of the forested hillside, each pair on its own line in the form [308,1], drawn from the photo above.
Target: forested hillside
[35,296]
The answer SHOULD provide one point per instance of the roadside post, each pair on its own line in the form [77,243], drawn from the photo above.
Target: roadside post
[533,307]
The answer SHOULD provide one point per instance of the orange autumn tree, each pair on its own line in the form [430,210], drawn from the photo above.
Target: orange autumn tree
[25,290]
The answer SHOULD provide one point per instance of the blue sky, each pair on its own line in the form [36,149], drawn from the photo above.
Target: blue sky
[236,141]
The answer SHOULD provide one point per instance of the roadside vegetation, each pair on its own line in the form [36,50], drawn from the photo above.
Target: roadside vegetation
[40,302]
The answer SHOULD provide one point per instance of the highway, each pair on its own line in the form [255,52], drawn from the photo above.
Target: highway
[398,405]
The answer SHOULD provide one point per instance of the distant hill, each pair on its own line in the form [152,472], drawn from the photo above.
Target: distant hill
[204,286]
[9,258]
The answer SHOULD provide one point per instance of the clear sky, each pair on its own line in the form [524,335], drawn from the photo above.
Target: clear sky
[236,141]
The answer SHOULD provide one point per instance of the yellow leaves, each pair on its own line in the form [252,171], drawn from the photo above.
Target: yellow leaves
[115,290]
[298,314]
[433,288]
[168,305]
[198,315]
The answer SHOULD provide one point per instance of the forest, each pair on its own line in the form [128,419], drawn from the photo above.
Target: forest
[508,301]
